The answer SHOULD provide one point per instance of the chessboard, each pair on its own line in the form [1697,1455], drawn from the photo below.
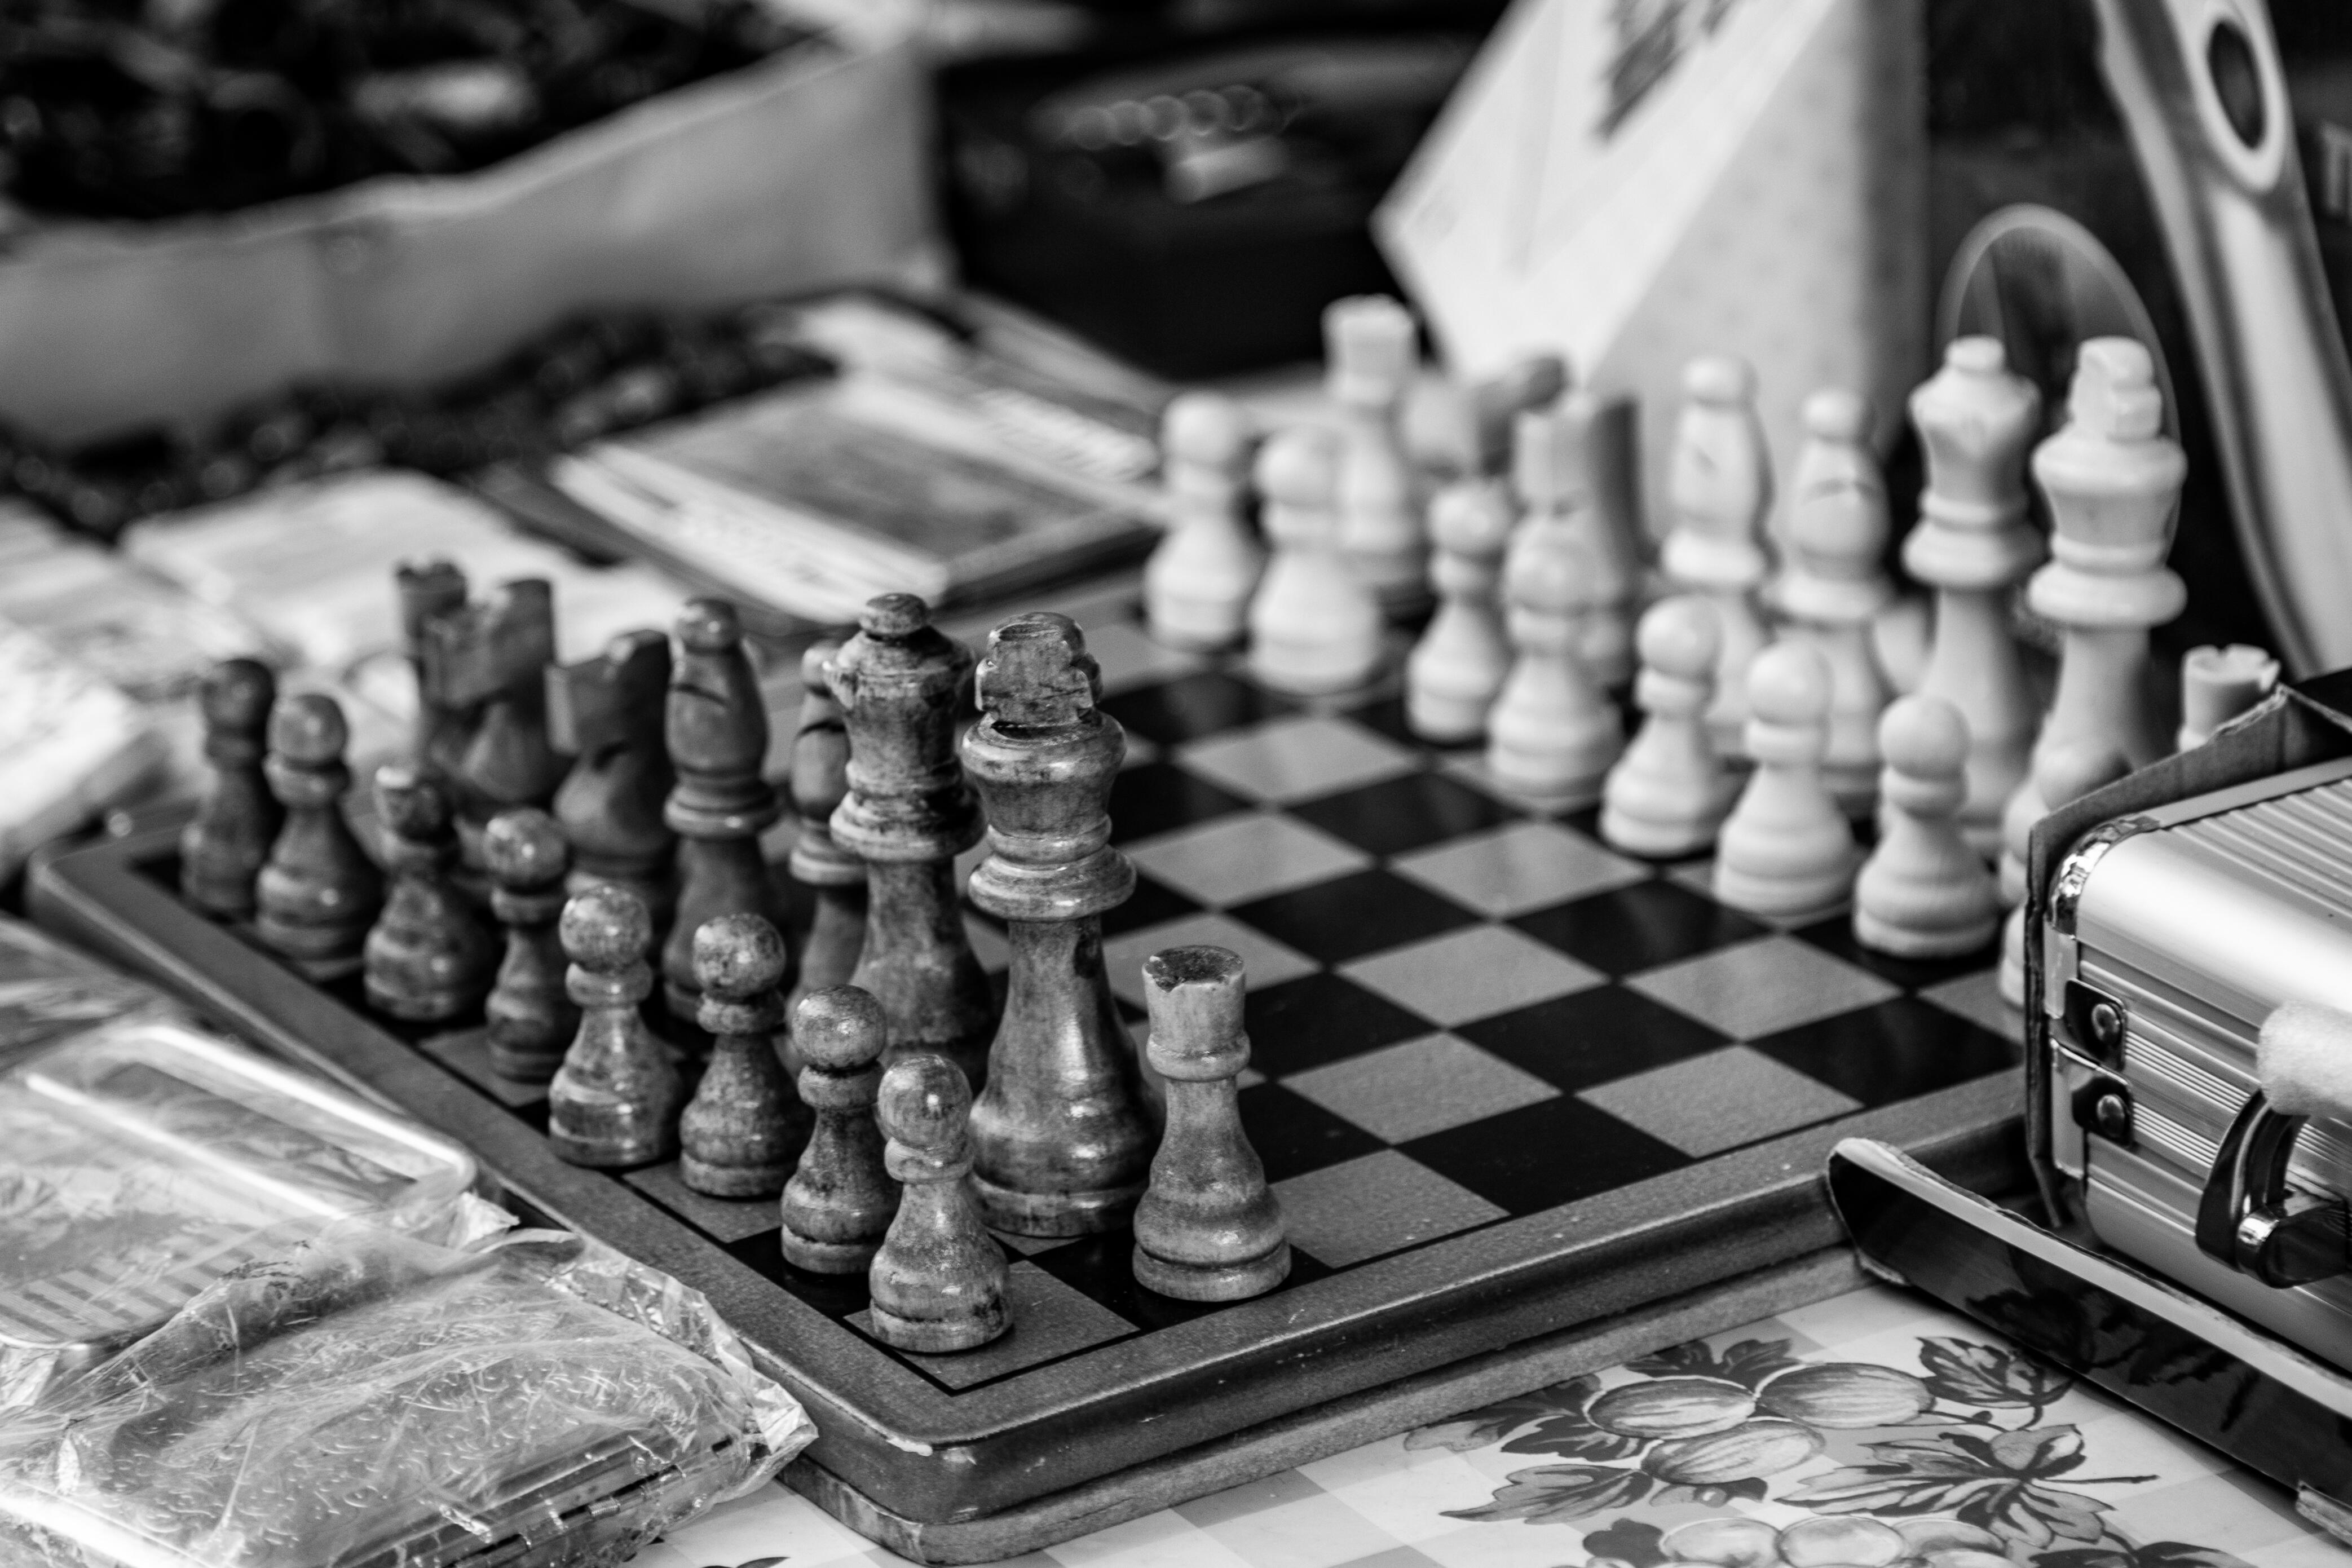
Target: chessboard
[1528,1104]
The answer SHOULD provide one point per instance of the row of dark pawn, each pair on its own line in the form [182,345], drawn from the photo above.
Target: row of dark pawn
[1059,1073]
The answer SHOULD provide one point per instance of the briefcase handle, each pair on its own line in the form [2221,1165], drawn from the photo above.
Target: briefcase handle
[2248,1217]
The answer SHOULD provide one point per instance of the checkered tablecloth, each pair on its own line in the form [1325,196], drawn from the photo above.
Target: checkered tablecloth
[2066,1477]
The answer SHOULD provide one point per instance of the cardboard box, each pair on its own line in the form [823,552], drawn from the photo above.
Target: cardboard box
[806,172]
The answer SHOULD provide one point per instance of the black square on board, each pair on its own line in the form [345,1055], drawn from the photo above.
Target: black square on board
[835,1295]
[1540,1155]
[1102,1267]
[1191,707]
[1898,1050]
[1835,935]
[1154,798]
[1593,1037]
[1349,916]
[1398,815]
[1321,1018]
[1148,905]
[1293,1135]
[1638,927]
[1386,715]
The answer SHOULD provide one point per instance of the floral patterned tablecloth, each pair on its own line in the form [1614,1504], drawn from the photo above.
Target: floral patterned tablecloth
[1870,1431]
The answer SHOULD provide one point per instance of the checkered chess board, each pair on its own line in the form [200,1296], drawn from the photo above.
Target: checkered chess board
[1505,1080]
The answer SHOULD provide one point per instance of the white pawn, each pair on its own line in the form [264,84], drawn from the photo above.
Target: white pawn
[1834,587]
[1314,627]
[1923,893]
[2063,774]
[1197,585]
[1553,733]
[1719,487]
[1371,358]
[1563,463]
[2217,685]
[1972,546]
[1786,850]
[1457,669]
[1667,794]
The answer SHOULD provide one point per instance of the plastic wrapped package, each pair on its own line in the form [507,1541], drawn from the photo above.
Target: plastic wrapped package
[48,989]
[146,1159]
[374,1401]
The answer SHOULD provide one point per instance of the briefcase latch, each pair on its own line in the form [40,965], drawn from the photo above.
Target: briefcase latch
[2251,1220]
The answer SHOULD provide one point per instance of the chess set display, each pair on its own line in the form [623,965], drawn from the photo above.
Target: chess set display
[1047,946]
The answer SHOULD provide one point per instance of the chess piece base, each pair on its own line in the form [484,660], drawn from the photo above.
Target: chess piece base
[1308,670]
[1446,718]
[1056,1214]
[429,1007]
[733,1181]
[1894,941]
[1221,1282]
[938,1338]
[1197,625]
[828,1257]
[1783,898]
[520,1066]
[606,1155]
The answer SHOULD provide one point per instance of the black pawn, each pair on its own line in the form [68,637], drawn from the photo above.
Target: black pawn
[318,892]
[223,847]
[716,727]
[614,1100]
[744,1126]
[428,957]
[938,1285]
[840,1201]
[530,1016]
[1209,1228]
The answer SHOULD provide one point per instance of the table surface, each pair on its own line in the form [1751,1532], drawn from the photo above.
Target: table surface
[2066,1477]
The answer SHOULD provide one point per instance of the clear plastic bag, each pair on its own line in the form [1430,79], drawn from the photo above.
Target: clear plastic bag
[146,1159]
[374,1401]
[48,989]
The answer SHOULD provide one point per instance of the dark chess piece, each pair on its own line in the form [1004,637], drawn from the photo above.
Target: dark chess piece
[841,1198]
[530,1013]
[908,815]
[223,845]
[615,1102]
[1063,1134]
[428,591]
[428,956]
[318,892]
[492,655]
[838,878]
[744,1127]
[716,728]
[606,713]
[938,1283]
[1209,1229]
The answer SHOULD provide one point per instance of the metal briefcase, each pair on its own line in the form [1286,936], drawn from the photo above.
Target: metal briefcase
[2168,936]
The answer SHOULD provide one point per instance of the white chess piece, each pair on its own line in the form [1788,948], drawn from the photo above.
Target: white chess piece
[1462,429]
[1457,669]
[1971,545]
[1198,582]
[1667,794]
[1314,627]
[2063,774]
[2217,685]
[1552,733]
[1370,358]
[1565,474]
[1923,893]
[1786,850]
[1835,588]
[1719,487]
